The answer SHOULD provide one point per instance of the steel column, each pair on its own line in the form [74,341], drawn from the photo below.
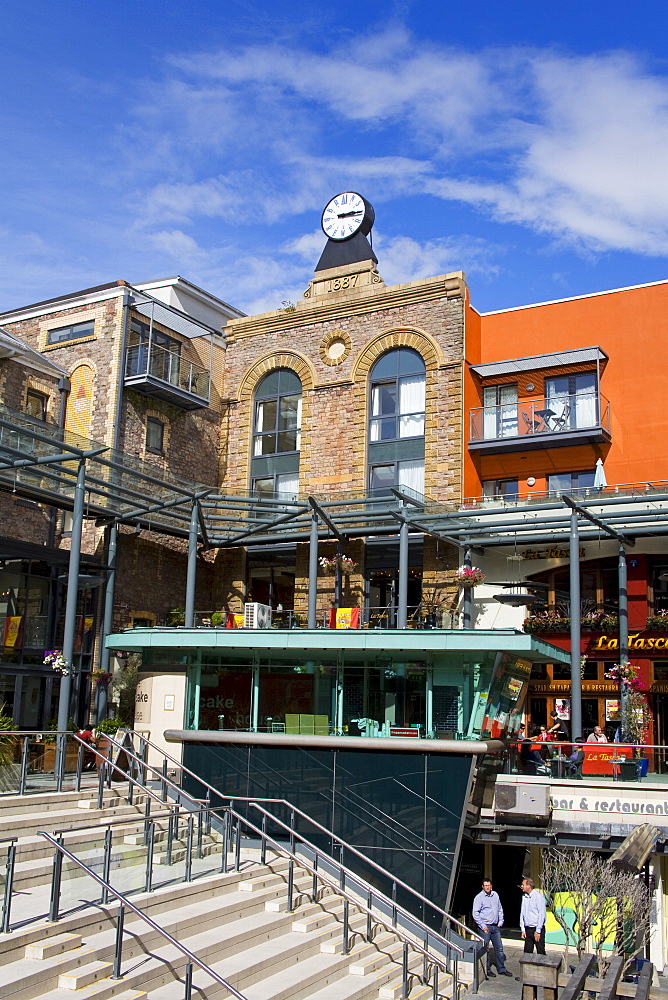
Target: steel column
[576,665]
[402,600]
[69,631]
[191,578]
[107,622]
[467,596]
[313,572]
[623,628]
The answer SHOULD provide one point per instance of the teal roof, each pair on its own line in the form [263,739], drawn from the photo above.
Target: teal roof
[463,642]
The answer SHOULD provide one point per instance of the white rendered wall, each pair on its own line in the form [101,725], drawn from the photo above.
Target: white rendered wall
[160,705]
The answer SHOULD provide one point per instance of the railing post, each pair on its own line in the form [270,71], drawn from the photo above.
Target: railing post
[435,988]
[170,836]
[9,883]
[164,779]
[108,769]
[188,981]
[346,936]
[55,882]
[200,820]
[394,904]
[60,760]
[237,847]
[147,818]
[189,851]
[106,864]
[226,842]
[80,753]
[148,884]
[314,884]
[291,882]
[100,782]
[118,951]
[24,765]
[404,972]
[368,916]
[263,846]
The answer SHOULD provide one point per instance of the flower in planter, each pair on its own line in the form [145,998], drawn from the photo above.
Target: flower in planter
[347,564]
[101,677]
[469,576]
[659,620]
[55,659]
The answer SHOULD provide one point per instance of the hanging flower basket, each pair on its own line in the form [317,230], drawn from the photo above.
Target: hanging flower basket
[469,576]
[55,659]
[625,674]
[330,564]
[101,677]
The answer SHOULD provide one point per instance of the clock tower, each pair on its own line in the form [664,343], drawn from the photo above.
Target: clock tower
[347,262]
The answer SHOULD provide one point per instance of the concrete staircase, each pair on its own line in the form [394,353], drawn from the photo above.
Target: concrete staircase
[237,923]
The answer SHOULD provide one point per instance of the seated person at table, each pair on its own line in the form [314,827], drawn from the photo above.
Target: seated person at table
[530,758]
[597,736]
[573,763]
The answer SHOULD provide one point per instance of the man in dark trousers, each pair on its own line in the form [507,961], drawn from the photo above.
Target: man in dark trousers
[532,917]
[488,915]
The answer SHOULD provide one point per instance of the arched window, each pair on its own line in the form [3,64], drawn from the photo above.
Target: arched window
[396,421]
[277,433]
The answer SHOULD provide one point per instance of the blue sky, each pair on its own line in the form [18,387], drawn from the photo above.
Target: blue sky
[524,142]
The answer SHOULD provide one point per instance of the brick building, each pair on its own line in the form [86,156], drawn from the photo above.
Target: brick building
[136,369]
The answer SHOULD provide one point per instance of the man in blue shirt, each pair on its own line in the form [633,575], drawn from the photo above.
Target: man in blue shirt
[488,914]
[532,917]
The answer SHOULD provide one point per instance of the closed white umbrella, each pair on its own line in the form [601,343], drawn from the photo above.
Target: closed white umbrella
[599,476]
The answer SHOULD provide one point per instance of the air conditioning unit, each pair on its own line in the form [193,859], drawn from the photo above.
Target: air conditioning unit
[522,804]
[257,616]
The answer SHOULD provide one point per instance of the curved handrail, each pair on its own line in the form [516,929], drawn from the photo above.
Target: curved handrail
[135,909]
[323,829]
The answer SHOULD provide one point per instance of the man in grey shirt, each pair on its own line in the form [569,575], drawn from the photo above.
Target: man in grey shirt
[488,915]
[532,917]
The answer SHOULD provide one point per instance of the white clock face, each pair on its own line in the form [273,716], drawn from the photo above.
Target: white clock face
[343,216]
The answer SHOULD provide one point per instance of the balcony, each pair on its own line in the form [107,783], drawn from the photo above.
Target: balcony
[556,422]
[154,371]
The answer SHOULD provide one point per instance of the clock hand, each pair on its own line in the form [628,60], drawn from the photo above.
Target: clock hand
[345,215]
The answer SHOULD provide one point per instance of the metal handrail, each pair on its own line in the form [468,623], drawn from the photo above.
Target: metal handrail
[192,958]
[395,906]
[340,890]
[323,829]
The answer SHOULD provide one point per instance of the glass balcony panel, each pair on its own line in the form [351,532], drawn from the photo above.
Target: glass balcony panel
[551,415]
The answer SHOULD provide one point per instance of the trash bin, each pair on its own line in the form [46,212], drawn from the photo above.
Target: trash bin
[643,764]
[628,771]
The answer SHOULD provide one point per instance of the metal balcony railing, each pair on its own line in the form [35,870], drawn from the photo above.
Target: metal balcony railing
[144,361]
[541,417]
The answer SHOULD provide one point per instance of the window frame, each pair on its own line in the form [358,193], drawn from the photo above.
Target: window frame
[43,399]
[397,381]
[574,485]
[277,431]
[152,449]
[75,332]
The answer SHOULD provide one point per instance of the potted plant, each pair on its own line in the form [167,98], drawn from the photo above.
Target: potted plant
[71,748]
[176,616]
[218,618]
[103,730]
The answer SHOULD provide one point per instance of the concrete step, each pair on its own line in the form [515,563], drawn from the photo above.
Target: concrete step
[53,946]
[85,975]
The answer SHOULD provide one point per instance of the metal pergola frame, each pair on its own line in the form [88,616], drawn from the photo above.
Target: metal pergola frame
[46,464]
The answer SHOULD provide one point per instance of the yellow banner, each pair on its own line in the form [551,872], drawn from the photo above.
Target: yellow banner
[12,629]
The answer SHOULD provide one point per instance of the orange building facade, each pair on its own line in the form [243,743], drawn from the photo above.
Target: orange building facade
[561,397]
